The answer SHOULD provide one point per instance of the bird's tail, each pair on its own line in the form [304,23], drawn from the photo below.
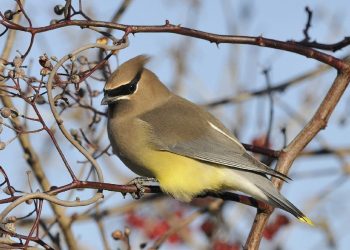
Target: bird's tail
[276,199]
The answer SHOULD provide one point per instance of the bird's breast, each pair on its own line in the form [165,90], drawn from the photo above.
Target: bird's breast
[129,142]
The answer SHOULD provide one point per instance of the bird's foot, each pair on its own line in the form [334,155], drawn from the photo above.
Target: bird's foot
[139,182]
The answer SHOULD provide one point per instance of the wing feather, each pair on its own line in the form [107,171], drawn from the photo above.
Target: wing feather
[204,138]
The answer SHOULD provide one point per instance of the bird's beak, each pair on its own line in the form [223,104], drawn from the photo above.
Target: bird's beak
[108,99]
[104,100]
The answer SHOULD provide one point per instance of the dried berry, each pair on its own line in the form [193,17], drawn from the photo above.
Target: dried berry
[29,202]
[8,14]
[117,235]
[81,92]
[75,79]
[45,71]
[95,93]
[40,100]
[53,21]
[83,60]
[19,73]
[11,219]
[45,61]
[11,74]
[102,40]
[58,9]
[17,61]
[5,112]
[9,190]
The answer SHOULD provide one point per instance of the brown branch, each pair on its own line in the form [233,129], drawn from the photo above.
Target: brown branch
[29,151]
[262,150]
[124,189]
[35,226]
[290,153]
[331,47]
[290,46]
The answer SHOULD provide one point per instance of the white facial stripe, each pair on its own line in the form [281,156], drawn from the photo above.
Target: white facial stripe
[137,88]
[123,97]
[223,133]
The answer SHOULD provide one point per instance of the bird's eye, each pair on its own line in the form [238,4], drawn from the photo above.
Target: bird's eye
[126,89]
[132,88]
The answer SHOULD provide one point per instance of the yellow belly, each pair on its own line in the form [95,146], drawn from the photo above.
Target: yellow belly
[183,177]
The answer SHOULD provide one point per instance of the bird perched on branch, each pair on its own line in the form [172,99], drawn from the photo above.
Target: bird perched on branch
[160,135]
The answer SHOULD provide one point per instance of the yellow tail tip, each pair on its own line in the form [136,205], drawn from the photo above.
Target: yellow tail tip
[306,220]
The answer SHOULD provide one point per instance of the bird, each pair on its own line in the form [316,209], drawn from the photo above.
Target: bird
[158,134]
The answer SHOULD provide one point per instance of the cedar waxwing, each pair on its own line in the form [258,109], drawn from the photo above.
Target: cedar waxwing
[160,135]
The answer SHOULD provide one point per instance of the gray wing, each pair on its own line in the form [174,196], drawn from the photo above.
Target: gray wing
[199,135]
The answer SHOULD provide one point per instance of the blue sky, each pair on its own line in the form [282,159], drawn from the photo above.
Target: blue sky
[212,73]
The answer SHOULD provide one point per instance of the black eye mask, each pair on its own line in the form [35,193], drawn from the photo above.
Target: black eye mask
[126,89]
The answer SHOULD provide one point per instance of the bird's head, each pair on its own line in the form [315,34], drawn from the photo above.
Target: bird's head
[135,84]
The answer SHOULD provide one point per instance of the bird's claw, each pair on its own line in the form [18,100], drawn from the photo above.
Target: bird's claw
[139,182]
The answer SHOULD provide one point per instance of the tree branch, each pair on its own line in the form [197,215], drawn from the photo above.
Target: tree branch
[289,154]
[290,46]
[29,151]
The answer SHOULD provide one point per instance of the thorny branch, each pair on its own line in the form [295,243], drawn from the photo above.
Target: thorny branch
[69,75]
[290,46]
